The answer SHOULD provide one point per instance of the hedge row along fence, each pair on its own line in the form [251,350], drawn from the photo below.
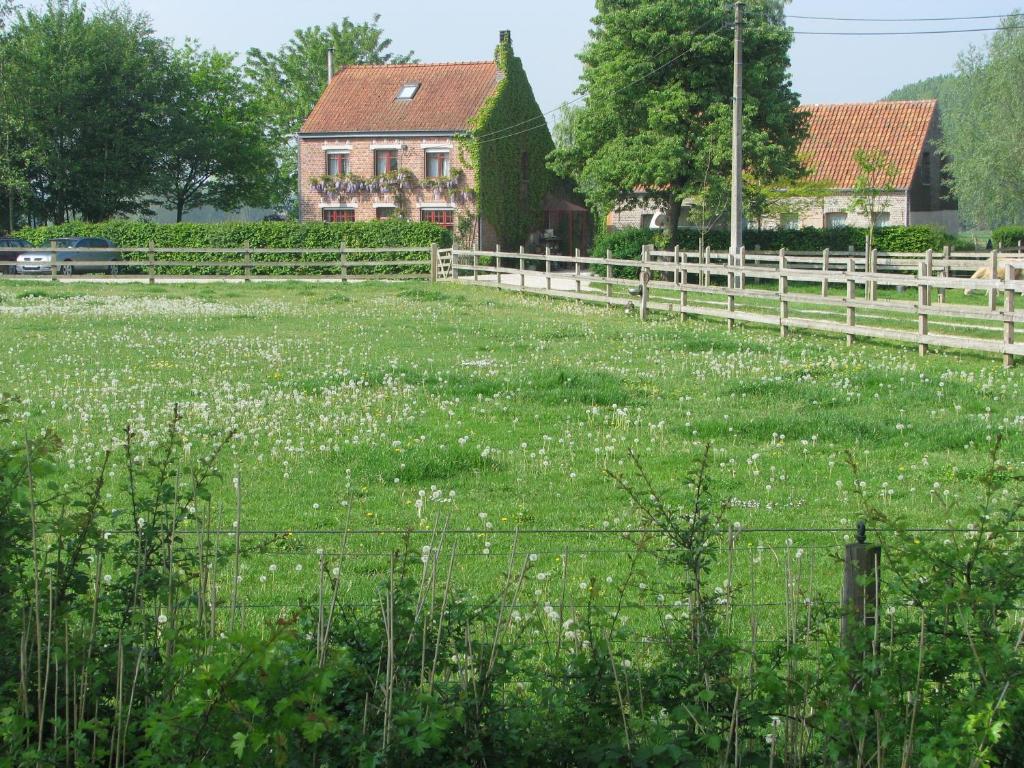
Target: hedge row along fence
[628,242]
[1010,237]
[258,235]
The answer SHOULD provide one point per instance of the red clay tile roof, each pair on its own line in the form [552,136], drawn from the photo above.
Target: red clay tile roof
[361,98]
[836,131]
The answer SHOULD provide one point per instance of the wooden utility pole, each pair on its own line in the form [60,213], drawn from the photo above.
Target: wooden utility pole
[736,225]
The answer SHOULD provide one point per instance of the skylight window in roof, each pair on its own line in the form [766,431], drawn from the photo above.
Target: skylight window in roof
[408,91]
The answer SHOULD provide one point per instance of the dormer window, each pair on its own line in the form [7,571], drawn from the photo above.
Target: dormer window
[408,91]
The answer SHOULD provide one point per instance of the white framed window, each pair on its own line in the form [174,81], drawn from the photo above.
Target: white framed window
[835,220]
[337,163]
[438,163]
[790,221]
[881,219]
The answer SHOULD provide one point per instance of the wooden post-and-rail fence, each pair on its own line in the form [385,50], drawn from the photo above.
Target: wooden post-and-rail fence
[791,290]
[856,294]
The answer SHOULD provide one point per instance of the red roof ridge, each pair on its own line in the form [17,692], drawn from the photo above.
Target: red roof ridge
[868,103]
[418,64]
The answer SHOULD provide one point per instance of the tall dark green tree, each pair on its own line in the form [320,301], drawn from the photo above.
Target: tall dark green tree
[658,112]
[290,81]
[88,98]
[213,149]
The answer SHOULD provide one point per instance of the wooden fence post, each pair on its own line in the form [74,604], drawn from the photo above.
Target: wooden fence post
[861,577]
[873,268]
[151,269]
[609,274]
[730,287]
[547,268]
[946,255]
[497,264]
[851,296]
[578,284]
[924,300]
[684,280]
[994,266]
[1009,302]
[53,263]
[433,262]
[675,267]
[742,284]
[476,265]
[783,290]
[825,255]
[344,263]
[248,262]
[645,278]
[522,268]
[705,276]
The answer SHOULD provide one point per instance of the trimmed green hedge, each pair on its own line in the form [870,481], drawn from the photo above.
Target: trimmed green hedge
[626,243]
[269,234]
[1008,236]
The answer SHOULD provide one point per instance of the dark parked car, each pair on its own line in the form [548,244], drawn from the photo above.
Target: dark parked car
[70,260]
[10,249]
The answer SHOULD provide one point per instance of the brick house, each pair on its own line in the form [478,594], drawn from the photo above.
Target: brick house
[393,141]
[907,132]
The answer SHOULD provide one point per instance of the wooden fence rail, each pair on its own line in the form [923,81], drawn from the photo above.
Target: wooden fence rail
[788,290]
[412,263]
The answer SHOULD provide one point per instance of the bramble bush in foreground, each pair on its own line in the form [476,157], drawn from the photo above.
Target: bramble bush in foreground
[124,642]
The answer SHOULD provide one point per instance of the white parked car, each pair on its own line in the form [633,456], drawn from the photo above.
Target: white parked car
[70,259]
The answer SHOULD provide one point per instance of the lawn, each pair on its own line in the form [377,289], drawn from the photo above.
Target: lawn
[385,407]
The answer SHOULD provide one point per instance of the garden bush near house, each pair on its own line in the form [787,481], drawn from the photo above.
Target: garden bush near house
[257,235]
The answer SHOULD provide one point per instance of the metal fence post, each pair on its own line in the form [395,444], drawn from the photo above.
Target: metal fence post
[861,577]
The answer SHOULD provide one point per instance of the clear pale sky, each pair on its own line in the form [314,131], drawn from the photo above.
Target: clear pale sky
[548,33]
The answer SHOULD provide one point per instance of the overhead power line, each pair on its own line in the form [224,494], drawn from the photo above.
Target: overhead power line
[899,21]
[907,32]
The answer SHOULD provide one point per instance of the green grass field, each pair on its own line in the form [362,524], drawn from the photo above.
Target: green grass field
[499,411]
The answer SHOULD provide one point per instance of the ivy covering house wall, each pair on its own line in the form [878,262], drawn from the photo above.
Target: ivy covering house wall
[509,137]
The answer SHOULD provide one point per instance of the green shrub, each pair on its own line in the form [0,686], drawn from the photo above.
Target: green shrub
[270,234]
[626,243]
[1007,237]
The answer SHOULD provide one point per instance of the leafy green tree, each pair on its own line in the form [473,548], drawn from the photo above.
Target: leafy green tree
[214,151]
[876,177]
[87,98]
[658,114]
[984,134]
[290,81]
